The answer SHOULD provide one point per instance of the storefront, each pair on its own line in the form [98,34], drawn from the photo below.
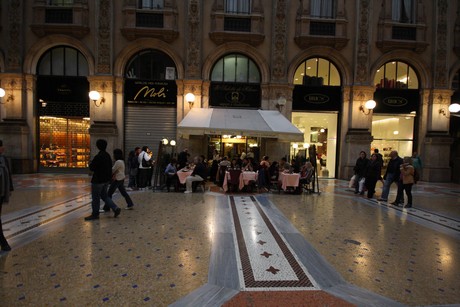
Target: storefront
[395,116]
[316,104]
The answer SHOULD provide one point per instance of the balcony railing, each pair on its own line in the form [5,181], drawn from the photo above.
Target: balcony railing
[149,20]
[322,28]
[237,24]
[404,33]
[64,16]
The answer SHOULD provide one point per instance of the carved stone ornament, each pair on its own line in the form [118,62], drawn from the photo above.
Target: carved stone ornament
[363,43]
[279,43]
[441,45]
[104,41]
[194,41]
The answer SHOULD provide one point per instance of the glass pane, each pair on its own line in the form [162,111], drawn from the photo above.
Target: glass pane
[299,73]
[335,76]
[242,69]
[58,62]
[45,64]
[323,72]
[229,68]
[401,78]
[413,79]
[310,79]
[82,65]
[70,62]
[254,74]
[218,71]
[390,75]
[379,77]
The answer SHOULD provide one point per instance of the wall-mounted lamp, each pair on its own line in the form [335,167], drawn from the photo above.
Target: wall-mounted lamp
[95,97]
[453,108]
[369,106]
[8,99]
[190,98]
[280,103]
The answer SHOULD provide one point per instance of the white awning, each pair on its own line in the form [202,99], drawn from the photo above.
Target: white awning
[253,123]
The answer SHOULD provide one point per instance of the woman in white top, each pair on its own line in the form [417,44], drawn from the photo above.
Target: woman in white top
[118,178]
[145,167]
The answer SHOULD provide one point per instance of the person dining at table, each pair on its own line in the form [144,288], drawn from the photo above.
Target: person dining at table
[284,166]
[199,174]
[247,165]
[234,164]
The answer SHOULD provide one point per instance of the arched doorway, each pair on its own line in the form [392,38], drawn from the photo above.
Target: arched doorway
[150,100]
[63,109]
[316,104]
[394,119]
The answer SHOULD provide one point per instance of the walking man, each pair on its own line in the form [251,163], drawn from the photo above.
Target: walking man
[392,174]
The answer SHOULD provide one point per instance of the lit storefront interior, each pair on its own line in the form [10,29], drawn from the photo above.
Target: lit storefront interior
[395,115]
[233,146]
[317,101]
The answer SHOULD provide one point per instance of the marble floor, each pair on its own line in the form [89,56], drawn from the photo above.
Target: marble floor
[210,249]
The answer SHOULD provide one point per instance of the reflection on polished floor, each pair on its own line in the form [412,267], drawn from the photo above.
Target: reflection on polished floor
[213,249]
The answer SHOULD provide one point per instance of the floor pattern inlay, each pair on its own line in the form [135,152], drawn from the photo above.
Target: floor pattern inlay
[266,260]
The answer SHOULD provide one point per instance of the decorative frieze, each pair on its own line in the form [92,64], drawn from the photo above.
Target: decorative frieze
[104,35]
[441,66]
[194,40]
[362,65]
[279,42]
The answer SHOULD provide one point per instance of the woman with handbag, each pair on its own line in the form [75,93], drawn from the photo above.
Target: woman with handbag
[145,166]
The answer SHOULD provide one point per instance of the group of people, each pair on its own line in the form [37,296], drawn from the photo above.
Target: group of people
[403,172]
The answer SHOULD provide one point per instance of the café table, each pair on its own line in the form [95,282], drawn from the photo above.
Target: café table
[183,174]
[246,177]
[288,180]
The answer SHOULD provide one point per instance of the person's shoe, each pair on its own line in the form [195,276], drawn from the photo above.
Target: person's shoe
[187,192]
[129,208]
[382,199]
[91,217]
[408,206]
[395,203]
[361,193]
[6,248]
[117,212]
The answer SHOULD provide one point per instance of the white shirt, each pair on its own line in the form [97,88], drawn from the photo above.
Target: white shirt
[118,169]
[141,156]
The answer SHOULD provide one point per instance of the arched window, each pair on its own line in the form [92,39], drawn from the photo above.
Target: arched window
[63,61]
[235,68]
[397,75]
[151,65]
[317,72]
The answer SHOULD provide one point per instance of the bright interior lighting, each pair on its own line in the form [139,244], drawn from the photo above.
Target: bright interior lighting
[295,145]
[396,132]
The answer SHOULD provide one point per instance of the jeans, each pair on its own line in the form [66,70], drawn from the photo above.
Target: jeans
[3,241]
[98,192]
[387,184]
[120,185]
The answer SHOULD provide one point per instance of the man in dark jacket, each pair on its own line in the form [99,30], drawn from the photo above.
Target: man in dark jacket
[392,174]
[362,163]
[101,166]
[199,174]
[6,187]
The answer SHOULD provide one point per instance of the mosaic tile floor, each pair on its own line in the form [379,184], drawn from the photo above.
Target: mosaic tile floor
[332,248]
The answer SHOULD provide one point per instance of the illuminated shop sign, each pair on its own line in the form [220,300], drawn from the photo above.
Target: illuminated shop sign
[394,101]
[155,93]
[316,98]
[235,95]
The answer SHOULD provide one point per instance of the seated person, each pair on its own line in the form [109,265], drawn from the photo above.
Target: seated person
[199,174]
[247,165]
[273,170]
[225,162]
[284,166]
[234,164]
[306,173]
[171,174]
[295,167]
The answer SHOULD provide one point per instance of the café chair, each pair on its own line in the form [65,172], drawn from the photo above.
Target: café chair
[234,180]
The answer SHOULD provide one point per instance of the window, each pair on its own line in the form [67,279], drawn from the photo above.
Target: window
[403,11]
[61,2]
[235,68]
[63,61]
[151,65]
[151,4]
[238,6]
[323,8]
[396,75]
[317,72]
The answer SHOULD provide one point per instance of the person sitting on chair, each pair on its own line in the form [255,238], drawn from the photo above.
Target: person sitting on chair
[199,174]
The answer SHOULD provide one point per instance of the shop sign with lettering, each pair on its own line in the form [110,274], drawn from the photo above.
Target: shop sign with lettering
[235,95]
[317,98]
[396,101]
[154,93]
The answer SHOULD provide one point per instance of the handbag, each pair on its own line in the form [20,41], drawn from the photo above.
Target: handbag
[147,163]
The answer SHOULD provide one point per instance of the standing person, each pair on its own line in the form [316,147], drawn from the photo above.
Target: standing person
[199,174]
[373,175]
[118,178]
[379,157]
[6,187]
[362,163]
[133,168]
[407,178]
[214,165]
[145,164]
[392,174]
[101,166]
[417,164]
[182,158]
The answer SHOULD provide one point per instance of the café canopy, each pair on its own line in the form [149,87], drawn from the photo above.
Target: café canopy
[244,122]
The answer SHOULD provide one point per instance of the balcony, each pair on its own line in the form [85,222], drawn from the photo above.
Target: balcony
[237,28]
[156,23]
[393,35]
[71,21]
[321,31]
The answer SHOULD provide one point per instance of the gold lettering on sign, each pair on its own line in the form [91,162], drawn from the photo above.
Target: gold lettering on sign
[151,92]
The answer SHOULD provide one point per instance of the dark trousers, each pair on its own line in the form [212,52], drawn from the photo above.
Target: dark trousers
[370,185]
[120,185]
[171,180]
[143,177]
[3,241]
[98,192]
[406,188]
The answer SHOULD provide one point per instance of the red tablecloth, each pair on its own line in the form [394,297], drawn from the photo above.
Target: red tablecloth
[288,180]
